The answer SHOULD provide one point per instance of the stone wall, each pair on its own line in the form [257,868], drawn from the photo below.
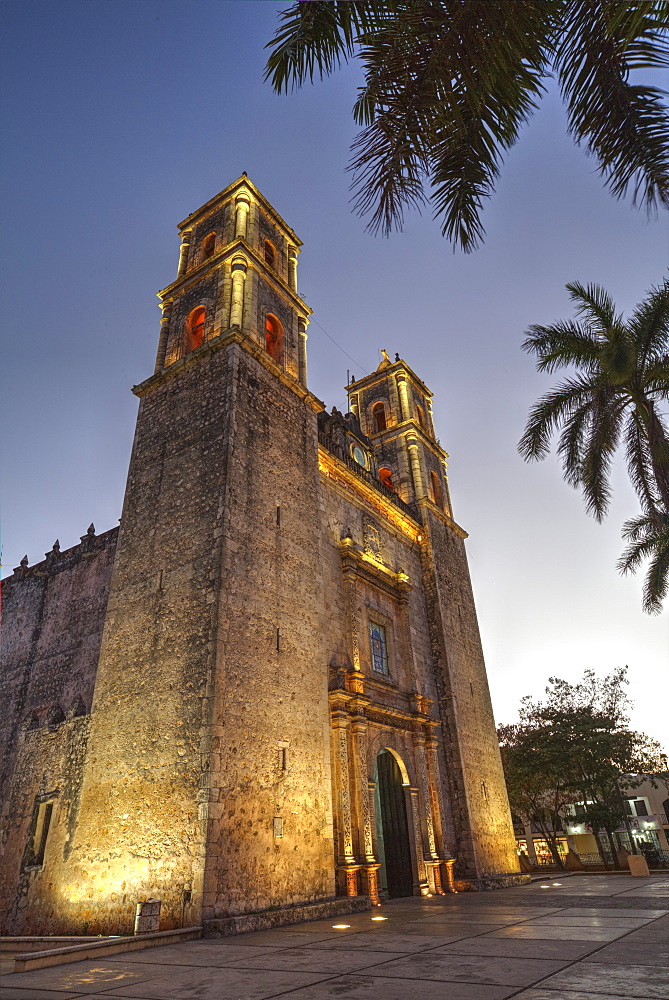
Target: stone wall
[53,615]
[485,841]
[270,829]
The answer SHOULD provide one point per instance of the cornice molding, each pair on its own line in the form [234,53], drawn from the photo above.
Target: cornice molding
[220,258]
[224,340]
[340,477]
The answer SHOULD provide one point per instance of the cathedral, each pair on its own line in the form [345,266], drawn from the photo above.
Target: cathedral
[265,688]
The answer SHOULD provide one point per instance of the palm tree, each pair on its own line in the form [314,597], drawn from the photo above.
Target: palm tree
[620,385]
[449,83]
[648,535]
[622,378]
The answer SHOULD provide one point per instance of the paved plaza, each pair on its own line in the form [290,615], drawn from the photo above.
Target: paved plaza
[590,936]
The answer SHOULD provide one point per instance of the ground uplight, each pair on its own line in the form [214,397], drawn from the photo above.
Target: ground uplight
[340,927]
[379,918]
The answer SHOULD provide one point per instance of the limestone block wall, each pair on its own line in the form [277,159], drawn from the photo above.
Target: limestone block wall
[139,833]
[485,839]
[53,615]
[270,812]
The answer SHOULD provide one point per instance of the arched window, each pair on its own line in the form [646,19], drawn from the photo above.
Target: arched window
[386,477]
[274,338]
[421,415]
[208,246]
[436,489]
[270,255]
[194,332]
[379,417]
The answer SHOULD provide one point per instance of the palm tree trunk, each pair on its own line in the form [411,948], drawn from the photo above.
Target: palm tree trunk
[658,448]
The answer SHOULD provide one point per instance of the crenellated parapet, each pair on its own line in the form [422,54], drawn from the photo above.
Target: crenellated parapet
[58,560]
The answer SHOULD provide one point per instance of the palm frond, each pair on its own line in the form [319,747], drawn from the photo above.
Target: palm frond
[649,327]
[313,39]
[648,535]
[639,464]
[606,413]
[595,304]
[556,407]
[624,125]
[562,344]
[446,92]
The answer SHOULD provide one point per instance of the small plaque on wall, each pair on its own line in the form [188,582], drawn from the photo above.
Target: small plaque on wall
[278,826]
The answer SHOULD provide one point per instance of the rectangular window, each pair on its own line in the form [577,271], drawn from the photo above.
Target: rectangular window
[40,834]
[379,647]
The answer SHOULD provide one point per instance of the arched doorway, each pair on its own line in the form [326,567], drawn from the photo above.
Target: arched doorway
[395,874]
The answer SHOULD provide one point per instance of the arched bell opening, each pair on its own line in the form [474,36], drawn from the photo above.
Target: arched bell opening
[392,826]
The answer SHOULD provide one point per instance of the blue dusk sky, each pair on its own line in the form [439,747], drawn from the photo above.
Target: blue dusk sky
[119,119]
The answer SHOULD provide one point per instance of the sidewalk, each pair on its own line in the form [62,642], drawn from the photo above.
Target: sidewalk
[605,938]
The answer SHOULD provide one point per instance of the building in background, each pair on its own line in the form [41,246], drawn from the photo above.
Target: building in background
[645,830]
[266,687]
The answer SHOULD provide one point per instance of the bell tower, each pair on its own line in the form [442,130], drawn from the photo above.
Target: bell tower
[208,712]
[237,271]
[394,408]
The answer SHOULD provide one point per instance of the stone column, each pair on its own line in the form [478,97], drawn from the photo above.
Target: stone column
[292,268]
[424,788]
[405,409]
[416,472]
[366,846]
[346,867]
[352,615]
[242,205]
[239,269]
[405,631]
[414,813]
[164,333]
[302,350]
[430,417]
[184,250]
[431,756]
[447,869]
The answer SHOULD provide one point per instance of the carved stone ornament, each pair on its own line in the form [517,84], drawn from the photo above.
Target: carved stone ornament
[371,540]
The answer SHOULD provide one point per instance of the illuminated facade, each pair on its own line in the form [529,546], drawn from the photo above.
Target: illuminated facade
[265,688]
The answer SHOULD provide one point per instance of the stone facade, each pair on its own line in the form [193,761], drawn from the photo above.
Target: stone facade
[266,688]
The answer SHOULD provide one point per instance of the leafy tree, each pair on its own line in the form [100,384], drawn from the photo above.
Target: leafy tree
[576,747]
[449,84]
[616,394]
[536,780]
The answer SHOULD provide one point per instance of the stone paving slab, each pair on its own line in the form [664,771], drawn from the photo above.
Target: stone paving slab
[524,943]
[539,932]
[452,968]
[313,960]
[79,978]
[231,984]
[388,941]
[567,919]
[622,952]
[618,980]
[10,993]
[541,994]
[204,953]
[508,947]
[620,911]
[377,988]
